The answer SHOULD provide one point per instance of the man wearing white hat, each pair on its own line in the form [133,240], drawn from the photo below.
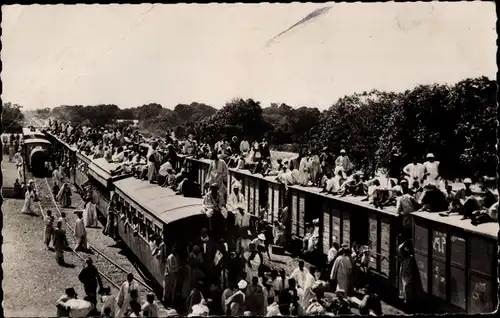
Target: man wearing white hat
[343,163]
[236,302]
[431,174]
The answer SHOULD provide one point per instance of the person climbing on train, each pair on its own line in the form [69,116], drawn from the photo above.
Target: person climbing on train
[111,228]
[49,228]
[91,279]
[412,290]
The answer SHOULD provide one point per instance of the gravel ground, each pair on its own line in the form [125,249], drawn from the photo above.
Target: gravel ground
[103,243]
[33,281]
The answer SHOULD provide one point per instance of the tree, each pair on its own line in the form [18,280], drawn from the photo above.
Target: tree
[12,117]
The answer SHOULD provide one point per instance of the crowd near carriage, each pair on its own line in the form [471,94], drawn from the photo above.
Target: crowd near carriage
[205,221]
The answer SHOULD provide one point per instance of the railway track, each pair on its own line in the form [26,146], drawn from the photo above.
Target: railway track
[109,270]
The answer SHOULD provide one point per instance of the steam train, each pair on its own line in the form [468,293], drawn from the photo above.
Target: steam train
[37,150]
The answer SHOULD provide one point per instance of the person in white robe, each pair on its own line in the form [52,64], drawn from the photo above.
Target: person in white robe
[123,298]
[431,174]
[342,271]
[56,178]
[18,159]
[414,172]
[343,163]
[217,173]
[315,169]
[244,147]
[236,202]
[80,232]
[90,213]
[308,287]
[213,202]
[303,175]
[153,162]
[253,262]
[299,274]
[29,200]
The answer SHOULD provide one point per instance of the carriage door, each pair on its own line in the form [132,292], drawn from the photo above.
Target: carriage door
[359,224]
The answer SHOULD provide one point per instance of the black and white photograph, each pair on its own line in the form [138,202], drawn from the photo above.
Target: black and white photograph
[285,159]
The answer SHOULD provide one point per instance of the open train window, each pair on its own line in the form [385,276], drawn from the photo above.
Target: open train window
[157,229]
[148,226]
[132,213]
[142,227]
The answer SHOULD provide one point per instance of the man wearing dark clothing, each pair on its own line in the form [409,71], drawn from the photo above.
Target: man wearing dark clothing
[90,278]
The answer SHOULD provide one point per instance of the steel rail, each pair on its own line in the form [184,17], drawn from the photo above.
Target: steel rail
[72,250]
[91,246]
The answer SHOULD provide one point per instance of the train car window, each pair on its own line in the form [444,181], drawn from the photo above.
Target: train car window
[149,229]
[157,229]
[142,227]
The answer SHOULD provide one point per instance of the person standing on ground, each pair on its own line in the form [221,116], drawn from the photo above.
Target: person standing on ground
[29,200]
[60,242]
[124,295]
[90,278]
[80,232]
[49,228]
[150,308]
[171,278]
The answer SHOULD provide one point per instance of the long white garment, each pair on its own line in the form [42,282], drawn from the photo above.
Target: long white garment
[18,159]
[80,228]
[300,276]
[56,178]
[217,173]
[123,297]
[308,293]
[303,175]
[236,202]
[90,215]
[415,172]
[252,270]
[29,202]
[432,168]
[210,203]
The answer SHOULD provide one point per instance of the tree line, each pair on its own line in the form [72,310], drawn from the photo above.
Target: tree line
[457,123]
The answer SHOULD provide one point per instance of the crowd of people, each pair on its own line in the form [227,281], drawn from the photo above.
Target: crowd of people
[224,271]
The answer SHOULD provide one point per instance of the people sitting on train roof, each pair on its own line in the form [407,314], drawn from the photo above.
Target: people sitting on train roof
[343,163]
[354,185]
[119,156]
[485,215]
[433,199]
[213,203]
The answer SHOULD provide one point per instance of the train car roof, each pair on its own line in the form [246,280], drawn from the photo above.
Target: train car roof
[161,202]
[489,229]
[36,141]
[100,169]
[84,157]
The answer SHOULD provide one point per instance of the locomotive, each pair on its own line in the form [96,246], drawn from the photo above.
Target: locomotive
[36,150]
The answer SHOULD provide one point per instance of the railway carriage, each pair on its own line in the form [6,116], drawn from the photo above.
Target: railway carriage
[100,177]
[456,260]
[158,210]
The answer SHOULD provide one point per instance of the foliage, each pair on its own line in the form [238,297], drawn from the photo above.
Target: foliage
[12,117]
[455,122]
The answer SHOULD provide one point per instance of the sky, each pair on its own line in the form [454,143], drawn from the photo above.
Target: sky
[130,55]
